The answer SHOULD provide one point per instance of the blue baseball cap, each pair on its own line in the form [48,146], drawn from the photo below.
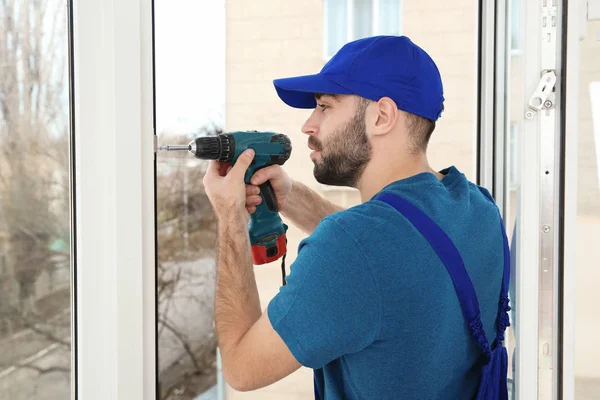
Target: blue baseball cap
[373,67]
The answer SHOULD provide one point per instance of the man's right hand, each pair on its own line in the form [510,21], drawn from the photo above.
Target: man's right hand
[280,181]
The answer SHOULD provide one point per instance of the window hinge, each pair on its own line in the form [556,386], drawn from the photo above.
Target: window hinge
[543,97]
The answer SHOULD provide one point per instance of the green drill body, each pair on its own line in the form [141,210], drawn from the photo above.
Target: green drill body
[266,229]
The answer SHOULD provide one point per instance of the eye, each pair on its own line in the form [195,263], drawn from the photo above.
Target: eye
[323,107]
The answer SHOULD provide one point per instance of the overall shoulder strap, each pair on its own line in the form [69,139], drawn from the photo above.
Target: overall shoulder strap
[450,256]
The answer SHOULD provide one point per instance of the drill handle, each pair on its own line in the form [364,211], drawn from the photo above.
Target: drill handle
[268,195]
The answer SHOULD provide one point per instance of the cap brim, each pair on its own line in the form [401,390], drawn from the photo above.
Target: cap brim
[299,91]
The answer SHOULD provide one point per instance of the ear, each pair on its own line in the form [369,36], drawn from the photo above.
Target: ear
[386,117]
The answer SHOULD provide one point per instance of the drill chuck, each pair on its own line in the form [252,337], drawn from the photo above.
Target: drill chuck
[220,148]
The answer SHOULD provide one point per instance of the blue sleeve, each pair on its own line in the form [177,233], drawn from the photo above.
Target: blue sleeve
[330,305]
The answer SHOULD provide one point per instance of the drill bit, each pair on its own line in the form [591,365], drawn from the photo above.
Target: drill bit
[176,147]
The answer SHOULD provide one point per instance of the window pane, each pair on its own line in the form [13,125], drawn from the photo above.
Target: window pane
[190,71]
[511,165]
[514,26]
[515,101]
[35,198]
[336,24]
[363,18]
[587,354]
[389,17]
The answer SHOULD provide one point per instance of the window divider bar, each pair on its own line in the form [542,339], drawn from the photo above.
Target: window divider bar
[114,200]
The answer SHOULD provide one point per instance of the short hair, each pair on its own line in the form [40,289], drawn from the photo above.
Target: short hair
[363,103]
[419,128]
[419,132]
[332,95]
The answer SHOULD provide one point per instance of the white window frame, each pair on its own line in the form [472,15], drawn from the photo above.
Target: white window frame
[375,29]
[115,343]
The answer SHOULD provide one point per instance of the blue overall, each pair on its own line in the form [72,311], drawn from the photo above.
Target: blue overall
[493,382]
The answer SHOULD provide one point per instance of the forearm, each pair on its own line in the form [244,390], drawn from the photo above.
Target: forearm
[306,208]
[237,304]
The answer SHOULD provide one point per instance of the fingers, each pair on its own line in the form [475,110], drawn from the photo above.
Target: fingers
[242,164]
[214,169]
[251,189]
[217,168]
[222,168]
[265,174]
[253,200]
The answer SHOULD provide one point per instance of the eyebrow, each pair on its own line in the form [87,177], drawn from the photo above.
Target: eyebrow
[333,96]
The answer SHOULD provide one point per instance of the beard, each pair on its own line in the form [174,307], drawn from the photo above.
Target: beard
[347,153]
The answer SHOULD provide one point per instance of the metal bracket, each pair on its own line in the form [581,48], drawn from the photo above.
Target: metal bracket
[543,97]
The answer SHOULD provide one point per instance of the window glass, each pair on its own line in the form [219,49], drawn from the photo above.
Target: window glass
[516,93]
[35,202]
[363,18]
[512,165]
[190,95]
[336,24]
[366,17]
[587,276]
[389,17]
[514,25]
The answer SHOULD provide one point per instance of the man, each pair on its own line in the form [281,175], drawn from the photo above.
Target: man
[368,304]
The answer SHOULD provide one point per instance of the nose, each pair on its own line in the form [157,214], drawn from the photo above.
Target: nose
[311,126]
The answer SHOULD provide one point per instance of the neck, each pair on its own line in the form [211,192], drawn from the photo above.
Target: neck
[382,171]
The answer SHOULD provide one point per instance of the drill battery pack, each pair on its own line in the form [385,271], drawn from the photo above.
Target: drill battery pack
[266,253]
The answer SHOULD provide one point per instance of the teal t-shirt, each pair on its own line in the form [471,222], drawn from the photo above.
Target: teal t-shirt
[371,308]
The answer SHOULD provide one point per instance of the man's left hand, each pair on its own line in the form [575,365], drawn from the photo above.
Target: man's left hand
[225,186]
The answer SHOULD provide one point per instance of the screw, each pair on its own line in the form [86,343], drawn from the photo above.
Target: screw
[546,229]
[529,114]
[547,104]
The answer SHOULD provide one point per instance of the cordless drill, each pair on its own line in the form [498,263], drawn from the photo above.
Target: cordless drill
[267,230]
